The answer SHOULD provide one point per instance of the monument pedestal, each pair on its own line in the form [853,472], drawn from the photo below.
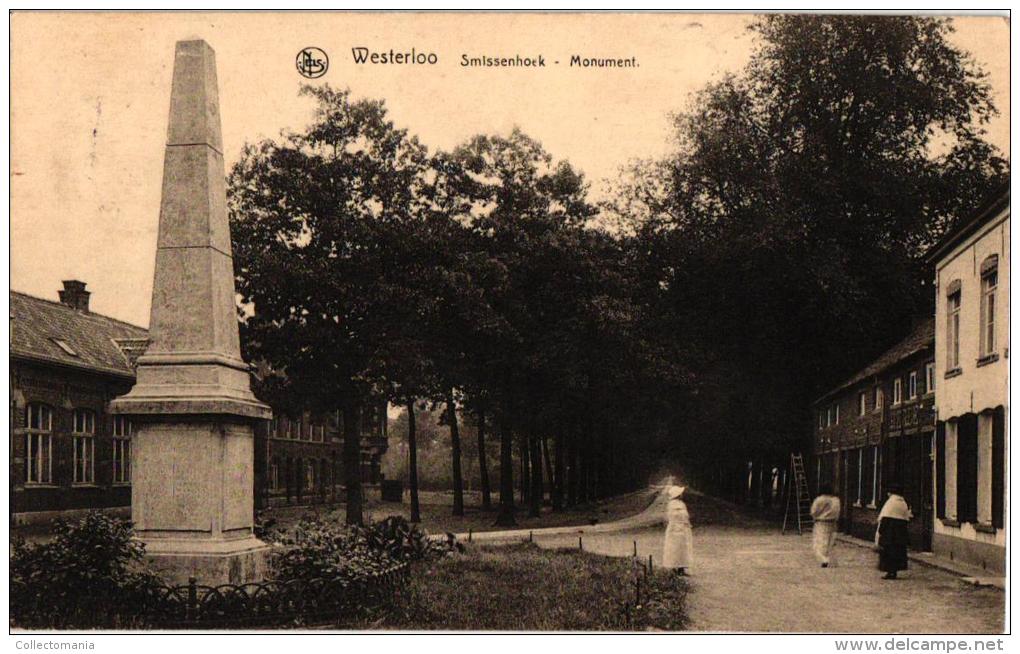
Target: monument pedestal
[192,499]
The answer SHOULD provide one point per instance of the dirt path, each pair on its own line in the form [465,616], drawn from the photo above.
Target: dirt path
[748,577]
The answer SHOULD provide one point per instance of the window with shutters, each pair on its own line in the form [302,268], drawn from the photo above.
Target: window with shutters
[966,468]
[998,467]
[984,468]
[952,430]
[38,444]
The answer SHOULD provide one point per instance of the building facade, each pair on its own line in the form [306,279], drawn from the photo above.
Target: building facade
[68,454]
[301,458]
[877,429]
[971,363]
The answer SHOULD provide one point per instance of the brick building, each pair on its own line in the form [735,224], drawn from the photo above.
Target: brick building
[69,454]
[876,429]
[301,456]
[972,365]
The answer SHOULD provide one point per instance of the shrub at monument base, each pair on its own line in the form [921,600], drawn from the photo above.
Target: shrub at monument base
[316,548]
[93,558]
[93,575]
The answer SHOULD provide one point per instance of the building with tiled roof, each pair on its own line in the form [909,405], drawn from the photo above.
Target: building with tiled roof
[59,334]
[875,430]
[69,454]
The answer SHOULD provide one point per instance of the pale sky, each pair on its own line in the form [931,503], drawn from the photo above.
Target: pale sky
[90,94]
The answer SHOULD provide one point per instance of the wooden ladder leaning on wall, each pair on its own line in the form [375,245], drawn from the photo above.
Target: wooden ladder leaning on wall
[798,499]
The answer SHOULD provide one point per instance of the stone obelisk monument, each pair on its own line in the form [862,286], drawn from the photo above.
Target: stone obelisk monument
[192,406]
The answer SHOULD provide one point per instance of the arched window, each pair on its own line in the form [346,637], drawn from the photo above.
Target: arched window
[121,450]
[38,444]
[84,432]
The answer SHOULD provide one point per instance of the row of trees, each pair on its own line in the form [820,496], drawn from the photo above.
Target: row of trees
[692,316]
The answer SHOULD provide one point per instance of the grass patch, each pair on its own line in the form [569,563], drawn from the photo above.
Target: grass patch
[526,588]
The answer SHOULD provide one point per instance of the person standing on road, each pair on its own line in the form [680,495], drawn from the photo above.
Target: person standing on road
[678,548]
[824,514]
[891,535]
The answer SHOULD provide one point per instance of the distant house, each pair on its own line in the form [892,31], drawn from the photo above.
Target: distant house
[68,454]
[300,455]
[876,429]
[971,363]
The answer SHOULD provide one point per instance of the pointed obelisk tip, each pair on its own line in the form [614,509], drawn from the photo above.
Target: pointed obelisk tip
[194,98]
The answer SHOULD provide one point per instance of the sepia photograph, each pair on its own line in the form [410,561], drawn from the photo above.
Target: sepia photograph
[509,322]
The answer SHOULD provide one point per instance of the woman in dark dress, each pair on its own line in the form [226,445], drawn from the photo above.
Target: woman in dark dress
[891,535]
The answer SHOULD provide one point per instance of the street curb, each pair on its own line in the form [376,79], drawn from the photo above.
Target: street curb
[650,517]
[968,574]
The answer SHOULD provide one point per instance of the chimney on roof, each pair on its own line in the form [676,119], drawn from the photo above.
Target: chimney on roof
[75,296]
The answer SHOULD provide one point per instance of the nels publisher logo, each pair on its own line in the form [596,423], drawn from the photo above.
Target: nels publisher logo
[312,62]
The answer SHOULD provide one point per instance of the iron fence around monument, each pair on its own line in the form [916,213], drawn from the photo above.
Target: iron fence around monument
[296,603]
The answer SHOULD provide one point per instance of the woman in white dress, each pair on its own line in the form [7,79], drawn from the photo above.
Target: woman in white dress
[678,549]
[825,514]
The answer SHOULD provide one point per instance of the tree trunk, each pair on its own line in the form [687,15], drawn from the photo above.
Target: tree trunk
[458,479]
[483,465]
[560,471]
[412,464]
[352,463]
[549,477]
[525,458]
[573,470]
[505,517]
[535,449]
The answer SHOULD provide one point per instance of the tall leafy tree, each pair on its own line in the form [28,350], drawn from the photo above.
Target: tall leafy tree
[313,215]
[792,215]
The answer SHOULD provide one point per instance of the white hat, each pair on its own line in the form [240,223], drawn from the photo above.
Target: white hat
[676,492]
